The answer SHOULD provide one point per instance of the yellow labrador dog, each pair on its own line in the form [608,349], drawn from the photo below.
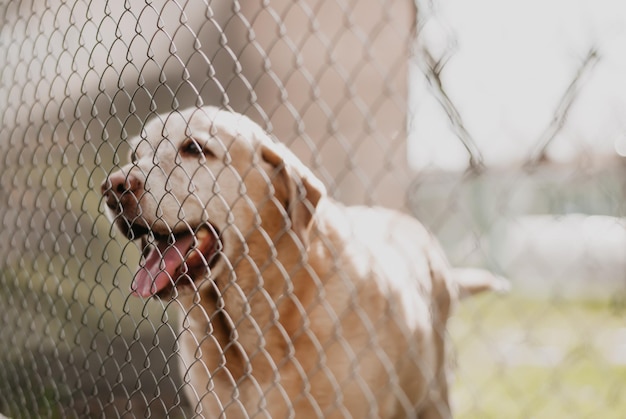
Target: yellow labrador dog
[294,305]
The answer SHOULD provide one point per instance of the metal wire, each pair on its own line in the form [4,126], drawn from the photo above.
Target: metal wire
[328,78]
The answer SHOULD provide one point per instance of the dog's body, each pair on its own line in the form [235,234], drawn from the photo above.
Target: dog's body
[293,305]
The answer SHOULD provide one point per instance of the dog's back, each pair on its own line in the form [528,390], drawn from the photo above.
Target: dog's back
[399,291]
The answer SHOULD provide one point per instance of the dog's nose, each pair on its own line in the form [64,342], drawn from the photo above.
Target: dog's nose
[117,185]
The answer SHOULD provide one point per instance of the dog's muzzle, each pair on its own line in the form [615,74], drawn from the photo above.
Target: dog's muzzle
[170,258]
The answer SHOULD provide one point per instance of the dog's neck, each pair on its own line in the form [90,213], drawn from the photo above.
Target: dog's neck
[257,304]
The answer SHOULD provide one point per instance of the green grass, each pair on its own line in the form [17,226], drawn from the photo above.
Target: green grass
[523,358]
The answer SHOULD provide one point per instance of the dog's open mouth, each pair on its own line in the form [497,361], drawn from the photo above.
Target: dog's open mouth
[175,260]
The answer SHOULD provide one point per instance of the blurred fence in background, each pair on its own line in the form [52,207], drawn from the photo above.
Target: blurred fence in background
[500,125]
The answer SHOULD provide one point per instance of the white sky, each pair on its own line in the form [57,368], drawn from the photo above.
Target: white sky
[509,64]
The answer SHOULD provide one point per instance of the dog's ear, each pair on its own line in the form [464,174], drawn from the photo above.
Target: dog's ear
[303,189]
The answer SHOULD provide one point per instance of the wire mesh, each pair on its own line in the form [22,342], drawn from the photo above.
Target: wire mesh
[345,85]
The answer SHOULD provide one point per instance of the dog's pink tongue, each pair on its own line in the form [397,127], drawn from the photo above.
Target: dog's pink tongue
[160,266]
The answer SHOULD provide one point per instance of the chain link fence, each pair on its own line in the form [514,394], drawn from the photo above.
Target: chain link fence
[410,106]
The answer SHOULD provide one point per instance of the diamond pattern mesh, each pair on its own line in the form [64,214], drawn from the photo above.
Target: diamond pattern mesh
[335,81]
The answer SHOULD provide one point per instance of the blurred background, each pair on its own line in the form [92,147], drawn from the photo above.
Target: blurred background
[501,125]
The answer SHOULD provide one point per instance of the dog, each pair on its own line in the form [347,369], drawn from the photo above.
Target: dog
[293,304]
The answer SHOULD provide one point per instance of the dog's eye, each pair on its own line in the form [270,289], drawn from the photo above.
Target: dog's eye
[193,148]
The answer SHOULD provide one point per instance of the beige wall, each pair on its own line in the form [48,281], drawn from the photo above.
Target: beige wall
[332,83]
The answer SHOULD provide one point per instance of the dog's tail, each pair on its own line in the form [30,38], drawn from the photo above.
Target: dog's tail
[473,281]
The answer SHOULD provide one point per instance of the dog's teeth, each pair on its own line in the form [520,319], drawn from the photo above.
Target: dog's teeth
[202,234]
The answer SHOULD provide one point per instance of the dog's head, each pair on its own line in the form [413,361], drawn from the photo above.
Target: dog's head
[200,182]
